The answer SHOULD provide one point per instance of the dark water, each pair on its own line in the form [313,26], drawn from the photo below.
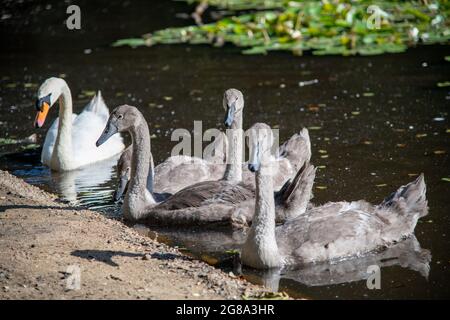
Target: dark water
[371,115]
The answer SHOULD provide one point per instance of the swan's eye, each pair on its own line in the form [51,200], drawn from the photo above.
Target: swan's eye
[120,116]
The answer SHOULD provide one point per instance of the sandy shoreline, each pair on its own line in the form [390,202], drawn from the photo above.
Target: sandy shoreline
[48,250]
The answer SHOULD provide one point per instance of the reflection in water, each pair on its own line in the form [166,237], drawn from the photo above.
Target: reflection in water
[93,187]
[368,114]
[90,186]
[214,242]
[86,186]
[406,254]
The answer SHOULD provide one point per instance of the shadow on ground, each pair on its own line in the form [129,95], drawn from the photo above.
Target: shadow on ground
[105,256]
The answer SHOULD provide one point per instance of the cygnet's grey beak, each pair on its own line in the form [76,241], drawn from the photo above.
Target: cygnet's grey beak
[254,162]
[108,132]
[229,116]
[121,188]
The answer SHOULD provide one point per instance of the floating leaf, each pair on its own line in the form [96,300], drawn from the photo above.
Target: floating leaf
[313,107]
[421,135]
[368,94]
[381,185]
[321,187]
[323,27]
[30,146]
[314,128]
[255,50]
[5,141]
[26,144]
[443,84]
[88,93]
[133,42]
[439,152]
[307,83]
[446,179]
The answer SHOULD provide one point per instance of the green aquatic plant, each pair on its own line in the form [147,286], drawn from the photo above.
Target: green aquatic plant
[443,84]
[6,141]
[327,27]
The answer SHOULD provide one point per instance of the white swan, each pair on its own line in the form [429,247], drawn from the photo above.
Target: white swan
[330,232]
[70,141]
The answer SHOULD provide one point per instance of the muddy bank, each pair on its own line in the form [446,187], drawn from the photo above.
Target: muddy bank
[41,238]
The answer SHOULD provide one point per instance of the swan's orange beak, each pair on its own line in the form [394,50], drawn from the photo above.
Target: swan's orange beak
[41,115]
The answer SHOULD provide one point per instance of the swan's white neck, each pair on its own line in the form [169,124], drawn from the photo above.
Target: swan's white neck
[233,169]
[138,199]
[260,249]
[62,156]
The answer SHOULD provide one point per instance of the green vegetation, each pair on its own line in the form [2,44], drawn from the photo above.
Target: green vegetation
[327,27]
[6,141]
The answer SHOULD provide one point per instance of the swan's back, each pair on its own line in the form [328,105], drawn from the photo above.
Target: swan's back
[340,230]
[332,231]
[86,128]
[208,193]
[98,107]
[297,149]
[290,157]
[179,172]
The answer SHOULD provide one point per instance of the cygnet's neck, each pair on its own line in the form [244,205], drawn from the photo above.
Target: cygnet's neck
[233,169]
[260,249]
[138,198]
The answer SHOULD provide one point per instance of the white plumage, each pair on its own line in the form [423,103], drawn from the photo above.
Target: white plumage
[77,147]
